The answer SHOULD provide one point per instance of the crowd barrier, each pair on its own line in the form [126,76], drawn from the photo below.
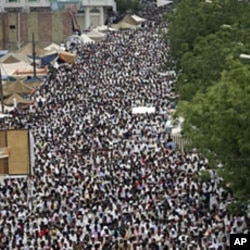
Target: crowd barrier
[181,142]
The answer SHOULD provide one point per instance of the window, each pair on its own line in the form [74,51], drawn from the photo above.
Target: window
[94,10]
[12,27]
[13,1]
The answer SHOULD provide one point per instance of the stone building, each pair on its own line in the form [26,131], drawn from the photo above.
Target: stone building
[49,20]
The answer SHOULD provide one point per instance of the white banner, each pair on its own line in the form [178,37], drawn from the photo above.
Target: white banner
[143,110]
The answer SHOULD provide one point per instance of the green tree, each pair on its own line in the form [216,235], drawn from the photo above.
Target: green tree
[202,66]
[127,5]
[206,40]
[218,122]
[192,19]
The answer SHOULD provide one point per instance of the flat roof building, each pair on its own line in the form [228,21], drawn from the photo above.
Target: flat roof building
[90,13]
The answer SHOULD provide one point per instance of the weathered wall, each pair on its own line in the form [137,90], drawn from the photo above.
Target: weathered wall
[18,161]
[47,27]
[1,31]
[57,21]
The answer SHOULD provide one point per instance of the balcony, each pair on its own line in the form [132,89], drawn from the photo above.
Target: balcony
[23,3]
[46,4]
[109,3]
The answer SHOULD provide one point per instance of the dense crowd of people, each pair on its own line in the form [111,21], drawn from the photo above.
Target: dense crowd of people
[104,177]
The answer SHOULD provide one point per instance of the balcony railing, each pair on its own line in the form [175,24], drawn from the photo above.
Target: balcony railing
[98,2]
[22,3]
[47,3]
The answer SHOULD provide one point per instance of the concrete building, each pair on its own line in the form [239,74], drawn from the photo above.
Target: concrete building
[88,12]
[49,20]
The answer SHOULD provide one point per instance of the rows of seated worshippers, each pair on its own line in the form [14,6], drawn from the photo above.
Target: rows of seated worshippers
[103,177]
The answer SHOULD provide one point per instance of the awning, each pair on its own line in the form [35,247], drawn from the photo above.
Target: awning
[3,52]
[45,60]
[16,99]
[28,72]
[67,57]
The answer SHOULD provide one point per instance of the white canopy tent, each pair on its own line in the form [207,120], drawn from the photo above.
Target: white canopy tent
[175,125]
[10,68]
[163,2]
[104,28]
[96,36]
[86,39]
[138,19]
[14,58]
[123,26]
[53,47]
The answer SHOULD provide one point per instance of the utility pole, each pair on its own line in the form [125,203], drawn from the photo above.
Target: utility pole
[34,55]
[1,91]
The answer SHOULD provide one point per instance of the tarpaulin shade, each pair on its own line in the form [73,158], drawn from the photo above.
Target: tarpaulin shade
[4,77]
[67,57]
[3,52]
[25,72]
[138,19]
[32,79]
[96,36]
[45,60]
[17,87]
[130,20]
[15,98]
[123,25]
[10,58]
[53,47]
[28,50]
[33,82]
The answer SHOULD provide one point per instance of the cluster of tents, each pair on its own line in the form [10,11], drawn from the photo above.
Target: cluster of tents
[98,33]
[17,75]
[128,22]
[20,63]
[95,35]
[18,92]
[16,66]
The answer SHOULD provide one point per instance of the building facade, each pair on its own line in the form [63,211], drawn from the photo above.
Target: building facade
[49,20]
[89,12]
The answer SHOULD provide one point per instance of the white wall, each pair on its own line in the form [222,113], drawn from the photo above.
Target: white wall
[163,2]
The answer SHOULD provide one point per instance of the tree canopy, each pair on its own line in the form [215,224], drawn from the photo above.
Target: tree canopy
[127,5]
[206,40]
